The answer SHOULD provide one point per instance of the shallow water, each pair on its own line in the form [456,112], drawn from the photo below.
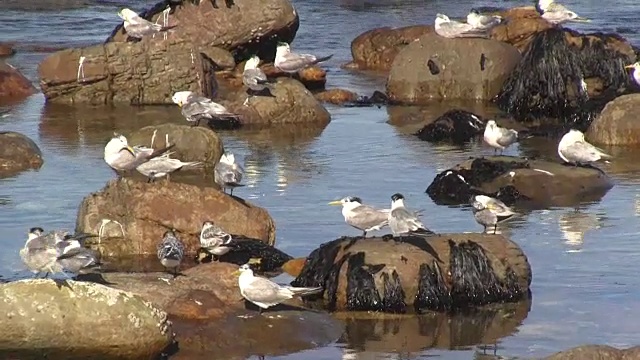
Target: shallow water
[584,287]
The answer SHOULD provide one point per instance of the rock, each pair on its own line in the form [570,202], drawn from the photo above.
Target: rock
[521,24]
[585,352]
[457,126]
[336,96]
[13,85]
[291,103]
[548,80]
[434,67]
[6,49]
[79,320]
[147,210]
[312,77]
[191,143]
[243,249]
[376,49]
[294,267]
[437,273]
[617,124]
[18,153]
[542,183]
[242,29]
[222,58]
[146,72]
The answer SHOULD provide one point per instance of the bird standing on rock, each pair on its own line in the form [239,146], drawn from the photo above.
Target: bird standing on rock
[483,22]
[253,77]
[574,149]
[228,173]
[402,221]
[122,157]
[137,27]
[290,62]
[499,138]
[196,108]
[556,13]
[170,251]
[213,239]
[489,211]
[450,29]
[362,217]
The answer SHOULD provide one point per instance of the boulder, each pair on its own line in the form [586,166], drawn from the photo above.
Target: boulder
[312,77]
[567,75]
[244,29]
[6,49]
[538,182]
[191,143]
[13,85]
[376,49]
[445,272]
[596,352]
[521,24]
[456,126]
[18,153]
[146,210]
[79,320]
[244,249]
[336,96]
[617,124]
[434,67]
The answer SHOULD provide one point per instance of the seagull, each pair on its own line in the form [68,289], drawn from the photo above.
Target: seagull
[164,166]
[39,253]
[499,138]
[122,157]
[253,77]
[196,108]
[137,27]
[483,22]
[402,221]
[635,72]
[556,13]
[362,217]
[290,62]
[213,239]
[573,148]
[448,28]
[77,259]
[490,211]
[228,173]
[264,292]
[171,251]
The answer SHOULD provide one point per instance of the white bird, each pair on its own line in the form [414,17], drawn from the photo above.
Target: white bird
[362,217]
[164,166]
[573,148]
[448,28]
[290,62]
[556,13]
[483,22]
[170,251]
[264,292]
[76,258]
[213,239]
[499,138]
[635,72]
[489,211]
[252,76]
[196,108]
[228,173]
[137,27]
[122,157]
[402,221]
[39,253]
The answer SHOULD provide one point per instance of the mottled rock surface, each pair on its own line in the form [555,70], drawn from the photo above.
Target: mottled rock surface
[596,352]
[18,153]
[618,122]
[13,85]
[336,96]
[521,24]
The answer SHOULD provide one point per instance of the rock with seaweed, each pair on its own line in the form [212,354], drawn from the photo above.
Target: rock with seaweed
[567,75]
[243,249]
[434,67]
[618,123]
[456,126]
[538,183]
[445,272]
[520,26]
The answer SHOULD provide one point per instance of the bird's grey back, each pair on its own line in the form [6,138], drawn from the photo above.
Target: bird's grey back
[264,291]
[507,137]
[581,152]
[364,217]
[228,174]
[403,221]
[251,77]
[486,217]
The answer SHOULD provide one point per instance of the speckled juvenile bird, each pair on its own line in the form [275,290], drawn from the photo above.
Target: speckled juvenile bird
[489,211]
[171,251]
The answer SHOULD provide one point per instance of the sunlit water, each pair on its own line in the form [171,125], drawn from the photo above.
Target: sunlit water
[585,287]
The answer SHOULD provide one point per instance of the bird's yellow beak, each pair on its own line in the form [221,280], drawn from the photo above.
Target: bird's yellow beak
[130,149]
[180,103]
[337,202]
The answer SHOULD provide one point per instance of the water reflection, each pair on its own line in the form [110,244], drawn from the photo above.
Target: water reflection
[574,224]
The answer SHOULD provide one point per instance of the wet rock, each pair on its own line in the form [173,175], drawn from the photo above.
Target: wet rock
[540,183]
[377,98]
[617,124]
[222,58]
[13,85]
[434,67]
[243,249]
[312,77]
[541,87]
[336,96]
[438,273]
[457,126]
[147,210]
[79,320]
[376,49]
[291,103]
[294,267]
[6,49]
[243,29]
[18,153]
[599,352]
[191,143]
[521,24]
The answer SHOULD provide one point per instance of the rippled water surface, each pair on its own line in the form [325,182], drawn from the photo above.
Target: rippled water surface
[584,261]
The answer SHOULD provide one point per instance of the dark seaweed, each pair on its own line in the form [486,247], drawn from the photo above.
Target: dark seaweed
[433,293]
[393,300]
[377,98]
[456,126]
[332,281]
[362,293]
[243,249]
[319,264]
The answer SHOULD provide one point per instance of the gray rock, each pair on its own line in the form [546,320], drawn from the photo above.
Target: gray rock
[18,153]
[618,122]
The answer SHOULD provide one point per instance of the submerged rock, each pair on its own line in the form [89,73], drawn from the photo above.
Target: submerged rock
[509,179]
[78,321]
[445,272]
[337,96]
[13,85]
[434,67]
[618,122]
[146,210]
[18,153]
[457,126]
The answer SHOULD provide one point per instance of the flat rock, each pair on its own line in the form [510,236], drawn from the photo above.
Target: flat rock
[13,85]
[618,123]
[416,274]
[337,96]
[147,210]
[434,67]
[18,153]
[541,183]
[78,321]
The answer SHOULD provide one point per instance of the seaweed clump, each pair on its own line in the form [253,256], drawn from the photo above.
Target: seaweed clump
[456,126]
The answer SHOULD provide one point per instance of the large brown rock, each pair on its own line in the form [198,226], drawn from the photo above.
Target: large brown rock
[618,122]
[146,211]
[191,143]
[18,153]
[519,27]
[376,49]
[79,320]
[434,67]
[246,28]
[596,352]
[438,273]
[13,85]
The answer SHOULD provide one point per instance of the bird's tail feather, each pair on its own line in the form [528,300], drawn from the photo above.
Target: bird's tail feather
[324,58]
[165,28]
[302,291]
[423,232]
